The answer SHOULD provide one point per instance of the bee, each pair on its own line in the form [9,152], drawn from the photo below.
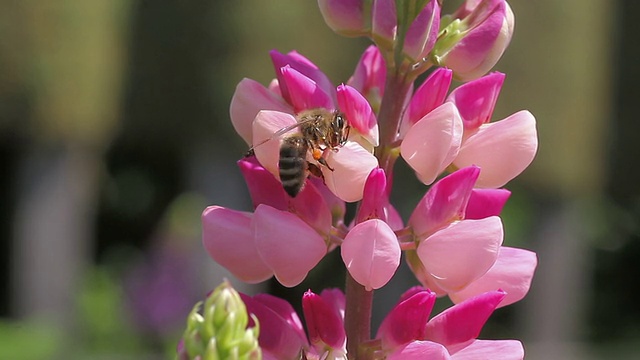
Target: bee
[320,130]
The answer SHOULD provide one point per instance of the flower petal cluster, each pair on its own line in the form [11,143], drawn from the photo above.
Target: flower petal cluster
[408,333]
[257,113]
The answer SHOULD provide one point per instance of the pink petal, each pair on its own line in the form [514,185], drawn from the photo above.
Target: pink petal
[502,149]
[305,67]
[375,196]
[285,336]
[358,113]
[227,237]
[491,349]
[445,202]
[335,204]
[407,320]
[249,98]
[512,272]
[264,188]
[461,253]
[433,142]
[345,17]
[310,206]
[486,202]
[304,93]
[324,324]
[423,32]
[352,165]
[421,350]
[286,244]
[384,23]
[476,99]
[335,297]
[463,322]
[267,147]
[425,279]
[370,76]
[427,97]
[371,253]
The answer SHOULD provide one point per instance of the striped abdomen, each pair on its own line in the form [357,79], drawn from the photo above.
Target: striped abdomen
[292,166]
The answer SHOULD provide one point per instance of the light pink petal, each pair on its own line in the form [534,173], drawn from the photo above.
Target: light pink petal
[427,97]
[227,237]
[407,320]
[476,99]
[423,32]
[249,98]
[433,142]
[305,67]
[445,202]
[512,272]
[421,350]
[371,253]
[463,322]
[486,202]
[264,188]
[324,324]
[502,149]
[358,113]
[304,93]
[352,165]
[267,147]
[491,349]
[289,246]
[461,253]
[384,23]
[425,279]
[285,337]
[344,16]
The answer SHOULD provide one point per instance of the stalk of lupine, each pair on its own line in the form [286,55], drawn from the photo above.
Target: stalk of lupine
[220,332]
[474,37]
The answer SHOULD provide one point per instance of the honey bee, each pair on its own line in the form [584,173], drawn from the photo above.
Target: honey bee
[320,130]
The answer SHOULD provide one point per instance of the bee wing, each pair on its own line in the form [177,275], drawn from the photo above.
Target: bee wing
[281,132]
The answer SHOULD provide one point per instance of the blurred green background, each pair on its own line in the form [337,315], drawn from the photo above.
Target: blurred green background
[115,134]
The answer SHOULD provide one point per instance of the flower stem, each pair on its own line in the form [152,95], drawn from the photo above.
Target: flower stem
[357,318]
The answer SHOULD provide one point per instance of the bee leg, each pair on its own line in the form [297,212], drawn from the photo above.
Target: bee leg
[318,155]
[316,171]
[323,162]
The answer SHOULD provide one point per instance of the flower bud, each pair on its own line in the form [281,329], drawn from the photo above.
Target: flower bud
[475,38]
[346,17]
[220,332]
[422,33]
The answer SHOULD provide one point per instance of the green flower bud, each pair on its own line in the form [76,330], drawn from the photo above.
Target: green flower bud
[220,332]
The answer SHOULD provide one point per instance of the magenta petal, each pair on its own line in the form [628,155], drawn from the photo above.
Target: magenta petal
[370,75]
[375,196]
[344,16]
[351,165]
[461,253]
[502,149]
[304,93]
[227,237]
[358,113]
[476,99]
[433,142]
[305,67]
[463,322]
[289,246]
[384,23]
[249,98]
[423,32]
[420,350]
[512,272]
[310,206]
[486,202]
[285,336]
[264,188]
[491,349]
[335,297]
[371,253]
[445,201]
[324,324]
[427,97]
[267,147]
[407,320]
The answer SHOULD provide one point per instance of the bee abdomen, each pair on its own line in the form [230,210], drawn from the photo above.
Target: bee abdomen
[292,166]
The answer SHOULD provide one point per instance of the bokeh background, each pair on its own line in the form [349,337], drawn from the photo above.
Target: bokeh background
[115,134]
